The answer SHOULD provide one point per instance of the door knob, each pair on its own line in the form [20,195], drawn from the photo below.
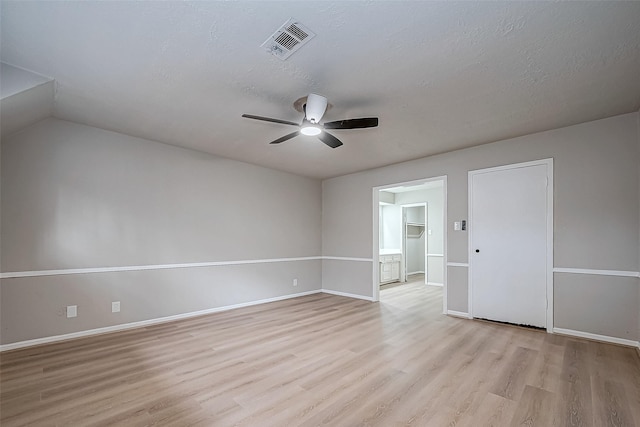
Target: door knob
[477,250]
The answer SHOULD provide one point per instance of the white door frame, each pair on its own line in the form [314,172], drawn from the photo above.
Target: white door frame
[376,234]
[549,260]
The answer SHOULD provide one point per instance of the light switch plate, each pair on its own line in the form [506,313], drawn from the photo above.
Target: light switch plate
[115,306]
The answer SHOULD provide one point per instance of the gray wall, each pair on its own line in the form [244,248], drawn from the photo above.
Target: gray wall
[74,196]
[78,197]
[596,217]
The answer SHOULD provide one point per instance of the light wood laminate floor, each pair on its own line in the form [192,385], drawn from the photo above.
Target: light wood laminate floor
[324,360]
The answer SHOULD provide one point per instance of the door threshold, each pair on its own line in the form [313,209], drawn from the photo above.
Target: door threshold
[538,328]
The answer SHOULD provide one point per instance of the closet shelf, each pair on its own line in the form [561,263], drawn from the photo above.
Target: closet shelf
[414,230]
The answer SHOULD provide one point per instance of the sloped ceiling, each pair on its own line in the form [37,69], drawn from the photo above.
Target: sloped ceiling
[439,75]
[25,98]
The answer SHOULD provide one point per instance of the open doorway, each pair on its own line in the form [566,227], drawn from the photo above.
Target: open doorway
[415,241]
[410,235]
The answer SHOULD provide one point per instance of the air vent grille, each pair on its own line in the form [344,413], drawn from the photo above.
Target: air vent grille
[289,38]
[286,41]
[296,31]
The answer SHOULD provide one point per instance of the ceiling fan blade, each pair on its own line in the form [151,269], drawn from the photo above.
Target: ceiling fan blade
[268,119]
[286,137]
[367,122]
[330,140]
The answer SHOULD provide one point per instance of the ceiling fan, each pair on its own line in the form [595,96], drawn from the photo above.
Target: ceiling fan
[314,106]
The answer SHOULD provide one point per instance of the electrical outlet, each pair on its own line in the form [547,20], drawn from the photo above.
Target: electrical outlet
[295,282]
[72,311]
[115,306]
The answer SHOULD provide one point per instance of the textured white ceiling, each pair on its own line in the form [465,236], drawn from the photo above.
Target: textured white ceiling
[439,75]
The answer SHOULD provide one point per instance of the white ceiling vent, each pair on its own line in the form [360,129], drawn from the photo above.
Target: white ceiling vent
[290,37]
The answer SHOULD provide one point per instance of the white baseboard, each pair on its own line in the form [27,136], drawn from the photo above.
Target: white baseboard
[458,314]
[596,337]
[142,323]
[435,284]
[345,294]
[415,272]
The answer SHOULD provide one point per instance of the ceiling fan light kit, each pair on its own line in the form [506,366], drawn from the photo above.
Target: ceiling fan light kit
[314,107]
[310,130]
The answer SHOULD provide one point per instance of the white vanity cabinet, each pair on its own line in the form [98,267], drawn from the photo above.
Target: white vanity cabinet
[390,267]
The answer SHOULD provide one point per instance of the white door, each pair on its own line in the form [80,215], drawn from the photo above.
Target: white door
[508,228]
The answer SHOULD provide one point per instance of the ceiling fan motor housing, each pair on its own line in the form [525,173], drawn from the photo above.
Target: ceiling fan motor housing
[315,107]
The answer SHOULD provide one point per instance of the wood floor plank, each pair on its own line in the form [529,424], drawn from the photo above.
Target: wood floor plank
[470,394]
[511,382]
[577,396]
[535,408]
[546,371]
[611,408]
[323,360]
[493,411]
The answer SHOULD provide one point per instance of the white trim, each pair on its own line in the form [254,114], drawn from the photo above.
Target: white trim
[438,255]
[93,270]
[549,238]
[416,272]
[445,237]
[375,270]
[435,284]
[620,273]
[142,323]
[458,264]
[342,258]
[458,314]
[596,337]
[346,294]
[14,274]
